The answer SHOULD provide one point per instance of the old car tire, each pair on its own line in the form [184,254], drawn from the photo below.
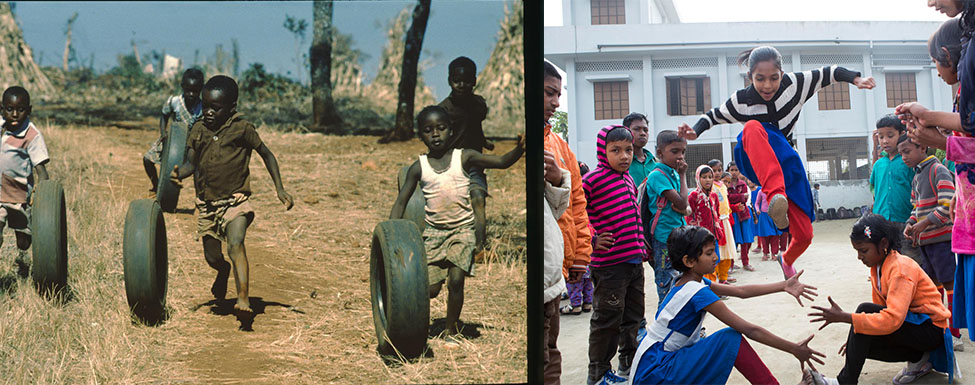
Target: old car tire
[399,289]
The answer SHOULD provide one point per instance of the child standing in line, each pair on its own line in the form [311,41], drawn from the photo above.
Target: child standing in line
[467,110]
[929,227]
[753,203]
[742,226]
[580,293]
[766,228]
[617,259]
[665,205]
[905,321]
[674,352]
[891,179]
[23,154]
[184,109]
[218,152]
[704,207]
[769,108]
[724,214]
[449,233]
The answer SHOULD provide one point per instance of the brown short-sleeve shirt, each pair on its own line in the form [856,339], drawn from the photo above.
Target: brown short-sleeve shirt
[465,121]
[222,157]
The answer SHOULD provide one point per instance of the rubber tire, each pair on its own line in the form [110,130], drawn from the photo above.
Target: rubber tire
[49,268]
[173,152]
[414,208]
[145,260]
[399,289]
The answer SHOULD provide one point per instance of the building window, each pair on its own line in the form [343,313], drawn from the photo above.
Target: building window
[612,100]
[831,158]
[688,95]
[836,96]
[608,12]
[901,88]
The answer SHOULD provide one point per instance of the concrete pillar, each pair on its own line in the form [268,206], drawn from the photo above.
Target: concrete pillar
[722,95]
[567,13]
[648,102]
[573,109]
[871,116]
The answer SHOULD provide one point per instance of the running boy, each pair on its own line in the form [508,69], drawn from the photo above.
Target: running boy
[665,205]
[617,265]
[466,111]
[22,154]
[449,233]
[929,227]
[184,109]
[218,153]
[891,178]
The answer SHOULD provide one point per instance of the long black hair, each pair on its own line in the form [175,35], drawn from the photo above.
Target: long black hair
[874,228]
[967,17]
[689,241]
[948,36]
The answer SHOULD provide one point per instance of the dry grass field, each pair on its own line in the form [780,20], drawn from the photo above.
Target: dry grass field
[309,276]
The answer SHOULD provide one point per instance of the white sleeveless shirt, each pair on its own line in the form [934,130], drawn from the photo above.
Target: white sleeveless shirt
[447,194]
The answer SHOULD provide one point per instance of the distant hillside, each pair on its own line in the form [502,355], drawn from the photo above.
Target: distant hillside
[17,66]
[384,88]
[503,78]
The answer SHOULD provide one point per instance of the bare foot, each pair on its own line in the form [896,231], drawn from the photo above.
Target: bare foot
[219,287]
[242,307]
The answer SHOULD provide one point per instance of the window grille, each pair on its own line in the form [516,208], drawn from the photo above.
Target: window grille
[901,88]
[696,155]
[612,100]
[610,66]
[836,96]
[608,12]
[689,62]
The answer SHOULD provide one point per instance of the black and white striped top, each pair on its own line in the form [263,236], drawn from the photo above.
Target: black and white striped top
[783,110]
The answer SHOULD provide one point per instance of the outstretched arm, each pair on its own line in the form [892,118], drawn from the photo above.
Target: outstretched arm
[473,158]
[272,168]
[181,171]
[405,191]
[754,332]
[791,286]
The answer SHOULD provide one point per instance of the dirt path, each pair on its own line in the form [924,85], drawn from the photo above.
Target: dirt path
[830,265]
[309,272]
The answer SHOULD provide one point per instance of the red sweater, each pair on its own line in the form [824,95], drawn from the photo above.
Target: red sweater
[705,213]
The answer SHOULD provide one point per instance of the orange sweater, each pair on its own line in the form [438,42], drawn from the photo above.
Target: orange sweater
[575,222]
[903,287]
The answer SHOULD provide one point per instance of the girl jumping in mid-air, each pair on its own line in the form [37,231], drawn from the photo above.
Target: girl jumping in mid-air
[769,108]
[673,352]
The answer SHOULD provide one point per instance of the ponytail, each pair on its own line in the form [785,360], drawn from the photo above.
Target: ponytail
[750,58]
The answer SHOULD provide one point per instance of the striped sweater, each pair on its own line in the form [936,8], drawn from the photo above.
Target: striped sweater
[931,192]
[783,110]
[611,205]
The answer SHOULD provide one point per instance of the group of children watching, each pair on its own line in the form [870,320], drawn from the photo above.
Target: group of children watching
[919,203]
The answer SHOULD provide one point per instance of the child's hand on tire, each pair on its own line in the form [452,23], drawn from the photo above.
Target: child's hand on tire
[174,177]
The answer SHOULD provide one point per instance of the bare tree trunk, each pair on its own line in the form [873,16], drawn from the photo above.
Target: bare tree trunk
[67,40]
[407,83]
[325,118]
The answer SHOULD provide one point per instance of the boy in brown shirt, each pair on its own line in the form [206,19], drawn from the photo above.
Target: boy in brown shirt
[218,152]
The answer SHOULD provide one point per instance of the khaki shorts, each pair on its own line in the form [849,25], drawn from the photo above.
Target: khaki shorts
[446,248]
[155,151]
[15,215]
[214,216]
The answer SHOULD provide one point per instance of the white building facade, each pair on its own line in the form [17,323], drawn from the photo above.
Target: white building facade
[624,56]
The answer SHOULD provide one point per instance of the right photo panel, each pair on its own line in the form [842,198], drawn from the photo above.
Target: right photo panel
[758,192]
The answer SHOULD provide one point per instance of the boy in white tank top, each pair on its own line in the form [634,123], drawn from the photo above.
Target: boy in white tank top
[449,234]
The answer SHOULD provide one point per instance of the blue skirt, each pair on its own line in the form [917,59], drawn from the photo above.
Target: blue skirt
[765,227]
[709,361]
[744,231]
[963,303]
[793,172]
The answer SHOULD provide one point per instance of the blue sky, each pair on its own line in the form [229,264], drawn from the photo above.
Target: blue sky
[455,28]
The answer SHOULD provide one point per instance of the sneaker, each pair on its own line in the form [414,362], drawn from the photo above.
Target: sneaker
[611,378]
[818,378]
[787,270]
[778,209]
[957,345]
[907,376]
[23,264]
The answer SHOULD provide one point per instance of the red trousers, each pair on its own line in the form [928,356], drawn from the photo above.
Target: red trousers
[766,166]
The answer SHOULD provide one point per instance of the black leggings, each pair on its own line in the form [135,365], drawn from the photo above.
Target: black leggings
[906,344]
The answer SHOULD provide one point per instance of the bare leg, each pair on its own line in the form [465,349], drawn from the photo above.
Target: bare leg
[151,172]
[455,298]
[23,261]
[478,199]
[435,290]
[214,257]
[236,230]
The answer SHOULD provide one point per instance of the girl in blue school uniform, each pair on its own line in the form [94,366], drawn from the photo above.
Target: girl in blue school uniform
[674,352]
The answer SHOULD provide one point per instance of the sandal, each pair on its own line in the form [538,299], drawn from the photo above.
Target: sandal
[731,280]
[908,376]
[586,307]
[569,310]
[748,267]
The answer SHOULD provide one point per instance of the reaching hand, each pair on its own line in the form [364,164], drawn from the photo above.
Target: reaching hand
[831,315]
[927,136]
[552,172]
[286,198]
[951,208]
[798,289]
[842,351]
[604,241]
[488,145]
[174,177]
[864,84]
[806,355]
[686,132]
[521,142]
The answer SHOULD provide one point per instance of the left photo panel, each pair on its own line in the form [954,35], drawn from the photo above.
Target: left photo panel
[258,192]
